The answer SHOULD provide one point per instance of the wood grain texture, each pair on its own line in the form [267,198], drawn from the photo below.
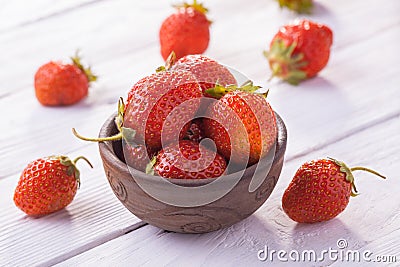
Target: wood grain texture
[369,218]
[16,14]
[384,251]
[357,90]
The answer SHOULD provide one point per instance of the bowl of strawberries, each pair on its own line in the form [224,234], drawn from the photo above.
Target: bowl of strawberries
[195,148]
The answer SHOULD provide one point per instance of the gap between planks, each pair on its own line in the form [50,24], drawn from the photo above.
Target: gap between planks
[96,243]
[68,152]
[343,136]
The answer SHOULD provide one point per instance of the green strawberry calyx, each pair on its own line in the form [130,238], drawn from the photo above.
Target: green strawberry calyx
[150,166]
[71,165]
[299,6]
[349,174]
[125,133]
[197,6]
[219,91]
[76,60]
[284,64]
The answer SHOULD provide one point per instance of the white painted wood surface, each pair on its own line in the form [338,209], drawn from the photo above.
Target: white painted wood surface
[350,111]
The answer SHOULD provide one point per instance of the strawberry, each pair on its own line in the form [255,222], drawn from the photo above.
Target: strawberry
[320,190]
[154,98]
[299,6]
[155,105]
[207,71]
[187,160]
[299,51]
[137,156]
[186,31]
[47,185]
[59,84]
[195,132]
[242,125]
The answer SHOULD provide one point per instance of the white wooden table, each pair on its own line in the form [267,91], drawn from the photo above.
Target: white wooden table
[351,111]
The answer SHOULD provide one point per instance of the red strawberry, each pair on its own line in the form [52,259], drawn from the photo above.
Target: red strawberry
[242,125]
[299,51]
[320,190]
[156,105]
[137,156]
[300,6]
[207,71]
[195,132]
[151,100]
[59,84]
[186,31]
[47,185]
[188,160]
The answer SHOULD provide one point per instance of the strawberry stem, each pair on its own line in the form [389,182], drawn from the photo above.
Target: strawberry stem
[116,137]
[85,159]
[358,168]
[349,175]
[126,133]
[170,60]
[71,166]
[76,170]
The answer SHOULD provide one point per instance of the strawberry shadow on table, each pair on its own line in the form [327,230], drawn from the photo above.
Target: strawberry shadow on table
[320,13]
[316,94]
[332,235]
[320,10]
[323,235]
[62,216]
[317,83]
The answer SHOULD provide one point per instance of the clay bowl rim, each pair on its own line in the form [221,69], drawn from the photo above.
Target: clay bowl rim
[107,150]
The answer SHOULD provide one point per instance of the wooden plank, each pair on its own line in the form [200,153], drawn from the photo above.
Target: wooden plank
[94,217]
[21,13]
[372,215]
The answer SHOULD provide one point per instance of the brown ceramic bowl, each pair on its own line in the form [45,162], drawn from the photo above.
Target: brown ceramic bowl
[233,207]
